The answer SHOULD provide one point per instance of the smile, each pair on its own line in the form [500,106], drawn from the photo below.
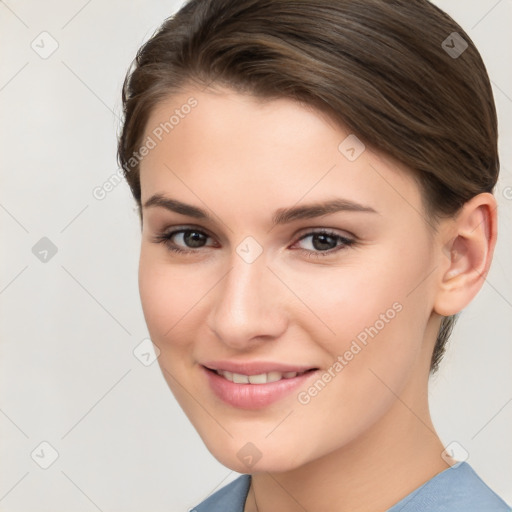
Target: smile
[257,390]
[262,378]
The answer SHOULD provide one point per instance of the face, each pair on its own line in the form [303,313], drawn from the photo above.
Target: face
[243,270]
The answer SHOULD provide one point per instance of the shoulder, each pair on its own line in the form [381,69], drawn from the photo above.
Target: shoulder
[230,498]
[458,488]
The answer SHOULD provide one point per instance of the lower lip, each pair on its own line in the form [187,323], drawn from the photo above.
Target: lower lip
[253,396]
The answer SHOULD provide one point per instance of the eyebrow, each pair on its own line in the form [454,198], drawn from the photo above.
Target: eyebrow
[281,216]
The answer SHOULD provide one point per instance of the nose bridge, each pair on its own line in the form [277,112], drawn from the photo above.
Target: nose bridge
[246,304]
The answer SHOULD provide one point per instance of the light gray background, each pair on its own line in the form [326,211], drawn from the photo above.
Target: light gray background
[69,325]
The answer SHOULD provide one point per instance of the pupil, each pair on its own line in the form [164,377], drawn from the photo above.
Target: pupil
[324,242]
[194,239]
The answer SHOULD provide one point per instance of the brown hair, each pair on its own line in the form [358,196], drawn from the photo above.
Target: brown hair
[391,71]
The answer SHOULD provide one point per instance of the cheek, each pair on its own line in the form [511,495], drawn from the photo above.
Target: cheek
[372,318]
[167,294]
[372,358]
[365,298]
[169,298]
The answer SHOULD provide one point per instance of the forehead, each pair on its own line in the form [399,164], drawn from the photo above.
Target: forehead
[280,150]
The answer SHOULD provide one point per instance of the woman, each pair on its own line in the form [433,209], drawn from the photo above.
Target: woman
[314,181]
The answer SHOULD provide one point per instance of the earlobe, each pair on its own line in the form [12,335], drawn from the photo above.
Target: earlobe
[468,255]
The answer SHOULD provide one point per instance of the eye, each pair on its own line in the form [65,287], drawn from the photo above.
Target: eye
[190,240]
[323,243]
[183,240]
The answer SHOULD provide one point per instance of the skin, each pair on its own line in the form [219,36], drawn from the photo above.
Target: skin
[366,440]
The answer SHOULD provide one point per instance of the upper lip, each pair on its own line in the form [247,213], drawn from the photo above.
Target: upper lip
[255,367]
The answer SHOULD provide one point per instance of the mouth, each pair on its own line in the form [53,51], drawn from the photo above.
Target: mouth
[260,378]
[256,389]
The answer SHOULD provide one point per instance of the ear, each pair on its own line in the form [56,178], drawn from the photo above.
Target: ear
[468,250]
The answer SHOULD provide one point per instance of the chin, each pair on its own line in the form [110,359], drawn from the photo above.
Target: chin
[247,457]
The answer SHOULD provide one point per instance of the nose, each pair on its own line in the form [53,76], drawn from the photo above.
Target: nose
[246,305]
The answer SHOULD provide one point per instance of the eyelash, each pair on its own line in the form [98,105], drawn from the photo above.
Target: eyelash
[165,238]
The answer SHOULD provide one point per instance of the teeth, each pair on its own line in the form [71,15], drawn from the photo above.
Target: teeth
[238,378]
[274,376]
[262,378]
[258,379]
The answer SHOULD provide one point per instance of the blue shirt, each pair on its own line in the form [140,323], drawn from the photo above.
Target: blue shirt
[456,489]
